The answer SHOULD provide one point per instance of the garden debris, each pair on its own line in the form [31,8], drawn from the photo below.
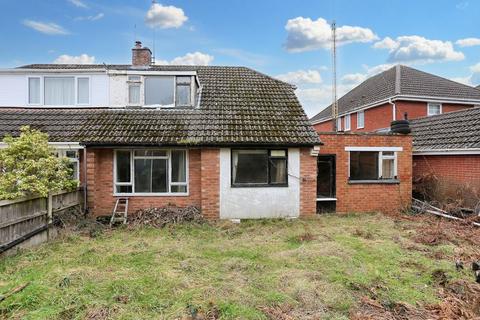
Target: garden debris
[100,313]
[122,299]
[460,300]
[13,291]
[160,217]
[458,265]
[422,207]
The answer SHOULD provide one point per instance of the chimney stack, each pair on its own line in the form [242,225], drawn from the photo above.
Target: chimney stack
[141,56]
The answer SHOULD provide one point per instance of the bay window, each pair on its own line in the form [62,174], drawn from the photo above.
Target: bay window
[259,167]
[372,165]
[147,171]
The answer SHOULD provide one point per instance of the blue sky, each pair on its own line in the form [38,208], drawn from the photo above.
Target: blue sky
[287,39]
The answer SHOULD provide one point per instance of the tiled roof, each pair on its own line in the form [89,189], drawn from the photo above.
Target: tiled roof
[399,80]
[238,106]
[453,130]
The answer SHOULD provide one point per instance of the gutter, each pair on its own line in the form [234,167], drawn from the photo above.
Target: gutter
[447,152]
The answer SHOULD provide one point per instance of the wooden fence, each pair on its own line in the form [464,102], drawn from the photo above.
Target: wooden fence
[21,219]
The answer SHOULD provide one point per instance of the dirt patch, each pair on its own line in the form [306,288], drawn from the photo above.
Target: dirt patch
[100,313]
[289,312]
[160,217]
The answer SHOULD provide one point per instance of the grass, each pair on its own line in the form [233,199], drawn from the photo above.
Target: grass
[319,266]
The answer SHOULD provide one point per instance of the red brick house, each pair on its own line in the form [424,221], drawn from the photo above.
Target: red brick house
[232,141]
[387,96]
[448,146]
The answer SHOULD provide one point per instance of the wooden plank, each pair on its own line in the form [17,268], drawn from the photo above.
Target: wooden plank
[21,219]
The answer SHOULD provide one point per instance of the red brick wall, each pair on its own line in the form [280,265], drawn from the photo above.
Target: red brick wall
[100,185]
[308,183]
[381,116]
[458,169]
[210,183]
[370,197]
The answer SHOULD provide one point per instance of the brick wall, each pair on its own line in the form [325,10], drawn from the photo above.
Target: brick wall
[381,116]
[100,185]
[308,183]
[210,183]
[458,169]
[370,197]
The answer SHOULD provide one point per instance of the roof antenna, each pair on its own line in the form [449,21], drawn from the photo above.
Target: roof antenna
[154,33]
[334,77]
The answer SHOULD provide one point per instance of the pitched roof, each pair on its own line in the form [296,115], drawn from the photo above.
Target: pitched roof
[238,106]
[402,81]
[453,130]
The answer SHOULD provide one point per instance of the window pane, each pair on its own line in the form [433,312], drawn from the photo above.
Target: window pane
[134,94]
[183,95]
[278,171]
[74,166]
[83,90]
[123,166]
[339,124]
[387,169]
[278,153]
[363,165]
[250,166]
[184,80]
[434,109]
[347,122]
[151,175]
[361,119]
[59,91]
[124,189]
[159,90]
[34,90]
[179,173]
[159,175]
[134,78]
[179,189]
[150,153]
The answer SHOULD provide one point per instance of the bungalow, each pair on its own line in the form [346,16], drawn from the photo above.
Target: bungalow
[230,140]
[391,94]
[448,146]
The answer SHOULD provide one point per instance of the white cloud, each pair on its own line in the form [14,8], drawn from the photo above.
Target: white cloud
[418,49]
[165,16]
[353,78]
[90,18]
[475,68]
[316,99]
[468,42]
[194,58]
[305,34]
[45,27]
[78,3]
[301,77]
[81,59]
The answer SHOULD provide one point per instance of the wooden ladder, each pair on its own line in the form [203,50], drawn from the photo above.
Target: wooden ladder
[120,211]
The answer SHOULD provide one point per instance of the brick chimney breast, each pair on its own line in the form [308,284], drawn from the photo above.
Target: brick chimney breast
[141,56]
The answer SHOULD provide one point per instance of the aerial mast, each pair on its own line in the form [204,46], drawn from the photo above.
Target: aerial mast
[334,78]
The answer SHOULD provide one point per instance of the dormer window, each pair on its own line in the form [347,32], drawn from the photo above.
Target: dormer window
[59,90]
[169,91]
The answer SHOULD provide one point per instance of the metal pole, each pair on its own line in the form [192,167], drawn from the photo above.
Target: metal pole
[334,78]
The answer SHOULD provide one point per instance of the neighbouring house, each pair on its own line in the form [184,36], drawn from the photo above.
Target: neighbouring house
[448,146]
[230,140]
[388,96]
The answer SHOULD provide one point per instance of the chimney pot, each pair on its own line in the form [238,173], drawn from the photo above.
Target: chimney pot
[141,56]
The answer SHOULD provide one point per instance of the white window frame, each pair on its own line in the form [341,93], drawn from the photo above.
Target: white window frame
[339,124]
[361,112]
[434,104]
[89,90]
[138,83]
[62,153]
[380,150]
[132,174]
[42,89]
[347,122]
[192,93]
[40,94]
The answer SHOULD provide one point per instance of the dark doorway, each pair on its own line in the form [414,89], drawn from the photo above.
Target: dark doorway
[326,176]
[326,195]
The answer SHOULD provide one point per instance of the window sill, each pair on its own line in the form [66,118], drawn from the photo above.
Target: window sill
[260,186]
[389,181]
[150,194]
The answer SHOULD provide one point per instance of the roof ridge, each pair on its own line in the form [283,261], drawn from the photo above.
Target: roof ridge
[398,78]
